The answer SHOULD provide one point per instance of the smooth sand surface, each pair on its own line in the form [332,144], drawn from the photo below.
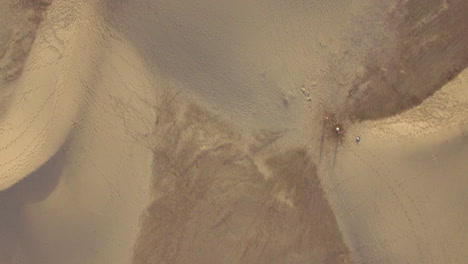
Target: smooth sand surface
[203,131]
[400,193]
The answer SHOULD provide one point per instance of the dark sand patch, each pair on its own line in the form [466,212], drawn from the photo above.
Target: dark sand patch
[18,34]
[32,189]
[212,204]
[430,49]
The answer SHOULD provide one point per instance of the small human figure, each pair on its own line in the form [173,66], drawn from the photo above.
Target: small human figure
[338,130]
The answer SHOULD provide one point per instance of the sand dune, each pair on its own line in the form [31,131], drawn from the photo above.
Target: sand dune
[399,193]
[204,131]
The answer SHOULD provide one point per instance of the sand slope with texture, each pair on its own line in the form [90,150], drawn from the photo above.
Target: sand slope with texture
[203,131]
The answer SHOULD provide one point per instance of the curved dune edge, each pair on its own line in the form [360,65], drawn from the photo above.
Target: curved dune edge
[428,48]
[399,194]
[284,193]
[42,117]
[442,116]
[88,201]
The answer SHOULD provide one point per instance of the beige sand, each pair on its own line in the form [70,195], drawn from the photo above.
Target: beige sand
[195,132]
[400,194]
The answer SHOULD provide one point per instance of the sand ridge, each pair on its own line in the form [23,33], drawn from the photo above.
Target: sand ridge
[35,132]
[185,132]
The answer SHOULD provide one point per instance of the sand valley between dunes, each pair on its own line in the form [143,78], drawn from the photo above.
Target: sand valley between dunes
[205,132]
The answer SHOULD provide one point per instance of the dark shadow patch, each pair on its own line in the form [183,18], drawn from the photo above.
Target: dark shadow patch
[211,204]
[322,142]
[33,188]
[264,139]
[332,136]
[335,155]
[38,185]
[431,48]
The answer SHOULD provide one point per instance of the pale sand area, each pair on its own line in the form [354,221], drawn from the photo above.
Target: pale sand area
[193,132]
[400,194]
[83,206]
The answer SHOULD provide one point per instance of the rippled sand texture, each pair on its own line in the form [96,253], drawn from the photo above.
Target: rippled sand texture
[214,205]
[204,131]
[20,20]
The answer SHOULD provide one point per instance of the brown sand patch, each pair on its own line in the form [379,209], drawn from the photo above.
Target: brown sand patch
[212,204]
[430,50]
[17,36]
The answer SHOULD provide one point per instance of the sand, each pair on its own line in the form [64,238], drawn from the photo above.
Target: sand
[400,192]
[202,132]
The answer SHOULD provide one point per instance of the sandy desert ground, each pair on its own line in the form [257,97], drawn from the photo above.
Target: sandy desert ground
[204,131]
